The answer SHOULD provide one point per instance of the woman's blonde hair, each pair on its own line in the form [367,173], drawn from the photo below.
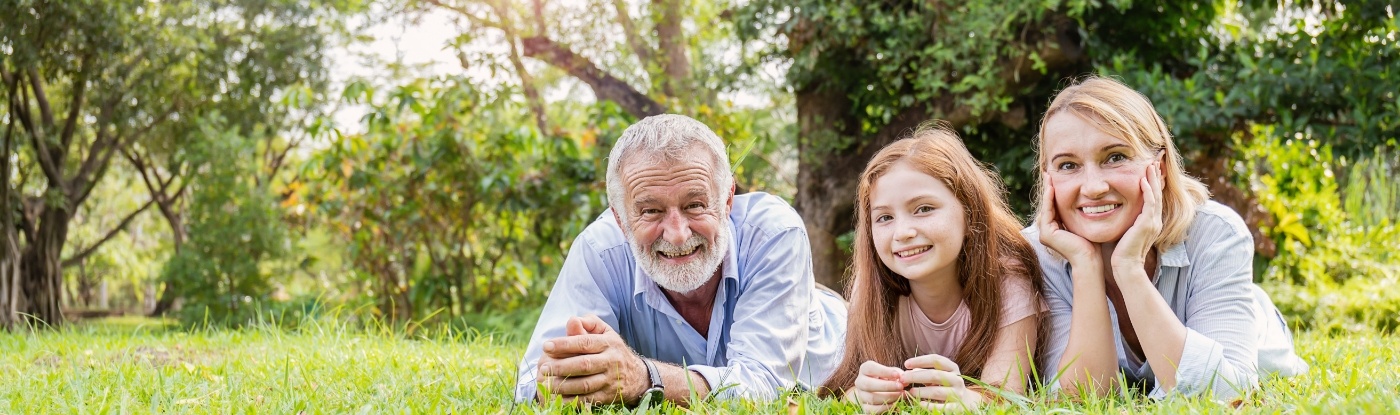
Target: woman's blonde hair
[993,249]
[1119,111]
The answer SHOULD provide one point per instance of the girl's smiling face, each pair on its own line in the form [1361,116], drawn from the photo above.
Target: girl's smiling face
[917,223]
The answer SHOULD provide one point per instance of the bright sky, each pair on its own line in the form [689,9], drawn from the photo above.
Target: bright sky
[420,44]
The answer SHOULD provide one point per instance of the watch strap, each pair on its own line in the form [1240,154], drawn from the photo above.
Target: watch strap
[654,393]
[652,373]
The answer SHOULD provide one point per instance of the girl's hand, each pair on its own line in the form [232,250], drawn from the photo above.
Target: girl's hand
[1130,256]
[938,384]
[1053,234]
[877,388]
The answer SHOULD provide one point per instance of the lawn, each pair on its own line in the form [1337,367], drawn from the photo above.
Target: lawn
[146,366]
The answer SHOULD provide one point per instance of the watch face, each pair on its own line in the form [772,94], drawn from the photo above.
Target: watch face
[653,396]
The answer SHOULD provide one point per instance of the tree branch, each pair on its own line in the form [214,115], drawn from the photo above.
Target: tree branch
[671,43]
[86,252]
[629,31]
[137,160]
[41,97]
[467,13]
[539,17]
[527,83]
[76,105]
[100,155]
[275,164]
[605,86]
[36,135]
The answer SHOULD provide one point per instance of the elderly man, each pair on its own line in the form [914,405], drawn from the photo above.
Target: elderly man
[683,289]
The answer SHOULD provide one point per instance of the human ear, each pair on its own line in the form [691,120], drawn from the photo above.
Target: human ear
[729,201]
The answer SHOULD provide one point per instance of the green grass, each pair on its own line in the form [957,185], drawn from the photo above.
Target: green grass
[145,366]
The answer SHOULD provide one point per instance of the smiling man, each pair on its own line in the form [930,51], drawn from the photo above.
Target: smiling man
[682,289]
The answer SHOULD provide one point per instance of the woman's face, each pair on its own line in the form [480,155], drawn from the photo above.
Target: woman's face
[1096,177]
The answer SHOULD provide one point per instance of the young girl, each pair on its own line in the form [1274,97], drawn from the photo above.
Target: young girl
[943,286]
[1143,274]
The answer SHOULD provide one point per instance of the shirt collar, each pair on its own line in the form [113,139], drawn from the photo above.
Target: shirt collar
[1175,256]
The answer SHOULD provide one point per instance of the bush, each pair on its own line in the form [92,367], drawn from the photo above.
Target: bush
[1335,268]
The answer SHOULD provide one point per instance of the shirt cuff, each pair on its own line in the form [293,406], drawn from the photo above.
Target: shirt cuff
[1200,363]
[716,377]
[526,388]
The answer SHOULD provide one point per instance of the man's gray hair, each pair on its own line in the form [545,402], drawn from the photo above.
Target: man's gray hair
[665,137]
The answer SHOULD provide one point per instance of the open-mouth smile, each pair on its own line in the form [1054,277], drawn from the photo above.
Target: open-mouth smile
[912,252]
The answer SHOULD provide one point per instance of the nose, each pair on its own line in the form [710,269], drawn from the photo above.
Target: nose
[675,229]
[1095,184]
[903,232]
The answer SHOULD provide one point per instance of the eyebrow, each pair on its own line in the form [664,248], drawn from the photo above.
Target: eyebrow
[689,194]
[696,192]
[924,199]
[1105,148]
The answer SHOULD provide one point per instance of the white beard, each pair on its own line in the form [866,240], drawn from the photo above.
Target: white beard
[689,276]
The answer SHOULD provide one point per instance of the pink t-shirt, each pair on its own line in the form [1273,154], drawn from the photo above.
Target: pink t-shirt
[925,336]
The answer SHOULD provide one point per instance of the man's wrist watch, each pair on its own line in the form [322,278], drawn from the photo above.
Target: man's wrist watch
[656,392]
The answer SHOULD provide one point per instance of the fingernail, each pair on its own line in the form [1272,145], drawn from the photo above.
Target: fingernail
[544,370]
[549,346]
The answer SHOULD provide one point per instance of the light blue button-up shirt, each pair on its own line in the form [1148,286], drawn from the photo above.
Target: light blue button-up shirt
[1233,331]
[770,329]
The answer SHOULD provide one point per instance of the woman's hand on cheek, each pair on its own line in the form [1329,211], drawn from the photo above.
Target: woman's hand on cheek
[877,387]
[937,384]
[1130,255]
[1053,234]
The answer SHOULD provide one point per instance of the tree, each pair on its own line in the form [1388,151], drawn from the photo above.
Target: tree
[81,82]
[263,76]
[85,80]
[447,203]
[235,227]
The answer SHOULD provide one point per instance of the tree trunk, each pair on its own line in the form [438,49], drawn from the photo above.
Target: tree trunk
[172,289]
[43,269]
[825,192]
[11,302]
[672,47]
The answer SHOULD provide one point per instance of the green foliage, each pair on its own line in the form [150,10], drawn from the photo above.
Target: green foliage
[448,204]
[885,58]
[1307,67]
[235,230]
[1336,268]
[142,366]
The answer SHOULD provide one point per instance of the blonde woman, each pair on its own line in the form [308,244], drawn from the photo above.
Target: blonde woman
[1144,275]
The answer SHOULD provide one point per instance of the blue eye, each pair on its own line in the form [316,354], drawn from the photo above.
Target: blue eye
[923,209]
[883,218]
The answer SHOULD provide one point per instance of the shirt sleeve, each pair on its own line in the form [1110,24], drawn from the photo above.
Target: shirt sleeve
[575,293]
[1221,332]
[768,338]
[1018,298]
[1058,297]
